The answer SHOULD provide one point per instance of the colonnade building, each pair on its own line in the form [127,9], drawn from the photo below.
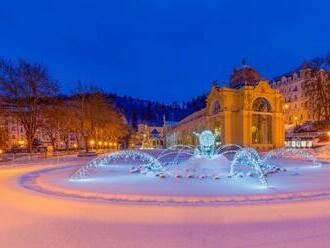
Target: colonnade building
[249,113]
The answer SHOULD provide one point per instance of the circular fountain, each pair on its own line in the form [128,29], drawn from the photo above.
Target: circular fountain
[206,173]
[203,162]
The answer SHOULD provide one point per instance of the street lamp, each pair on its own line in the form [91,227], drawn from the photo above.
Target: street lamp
[328,133]
[21,142]
[92,142]
[296,120]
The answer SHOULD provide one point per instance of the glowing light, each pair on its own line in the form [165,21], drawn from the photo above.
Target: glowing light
[290,153]
[206,143]
[149,163]
[207,138]
[181,161]
[21,142]
[100,143]
[92,142]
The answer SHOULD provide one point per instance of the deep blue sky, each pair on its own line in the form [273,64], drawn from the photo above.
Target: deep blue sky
[162,49]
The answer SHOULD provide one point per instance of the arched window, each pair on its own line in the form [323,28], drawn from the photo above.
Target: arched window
[215,108]
[261,122]
[261,105]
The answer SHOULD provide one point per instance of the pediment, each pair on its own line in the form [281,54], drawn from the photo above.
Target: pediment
[264,87]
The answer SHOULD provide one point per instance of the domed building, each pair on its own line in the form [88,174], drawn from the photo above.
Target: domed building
[243,76]
[248,113]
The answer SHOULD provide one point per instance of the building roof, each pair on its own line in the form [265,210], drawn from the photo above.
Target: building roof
[244,75]
[304,66]
[193,116]
[155,134]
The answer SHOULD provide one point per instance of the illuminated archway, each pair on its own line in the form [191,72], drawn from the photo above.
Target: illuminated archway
[261,121]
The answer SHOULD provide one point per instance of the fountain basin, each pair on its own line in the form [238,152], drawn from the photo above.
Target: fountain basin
[116,184]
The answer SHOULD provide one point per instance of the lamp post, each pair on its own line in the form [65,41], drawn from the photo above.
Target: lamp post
[296,120]
[328,133]
[21,143]
[92,142]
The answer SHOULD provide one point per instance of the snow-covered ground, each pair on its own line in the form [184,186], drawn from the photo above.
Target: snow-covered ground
[323,152]
[34,218]
[301,180]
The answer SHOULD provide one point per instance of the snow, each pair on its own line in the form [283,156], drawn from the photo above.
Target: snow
[117,184]
[31,218]
[323,152]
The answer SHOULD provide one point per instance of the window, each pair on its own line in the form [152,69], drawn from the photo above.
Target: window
[261,105]
[215,108]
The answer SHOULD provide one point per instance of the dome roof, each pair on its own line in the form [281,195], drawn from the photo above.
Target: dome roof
[244,75]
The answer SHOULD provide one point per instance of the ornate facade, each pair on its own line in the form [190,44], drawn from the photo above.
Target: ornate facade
[296,109]
[251,115]
[291,86]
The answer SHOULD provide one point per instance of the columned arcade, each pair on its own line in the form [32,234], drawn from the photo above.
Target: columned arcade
[250,115]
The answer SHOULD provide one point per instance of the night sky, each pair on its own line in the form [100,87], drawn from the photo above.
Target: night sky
[162,49]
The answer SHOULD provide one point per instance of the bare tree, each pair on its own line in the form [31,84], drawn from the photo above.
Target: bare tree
[317,90]
[60,121]
[26,85]
[98,118]
[3,125]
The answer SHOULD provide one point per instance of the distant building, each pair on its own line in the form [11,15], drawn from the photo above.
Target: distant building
[12,133]
[296,110]
[148,137]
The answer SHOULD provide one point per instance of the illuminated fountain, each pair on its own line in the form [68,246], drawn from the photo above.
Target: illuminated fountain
[206,144]
[204,161]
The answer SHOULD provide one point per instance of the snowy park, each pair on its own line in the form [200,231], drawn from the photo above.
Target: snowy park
[116,207]
[164,124]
